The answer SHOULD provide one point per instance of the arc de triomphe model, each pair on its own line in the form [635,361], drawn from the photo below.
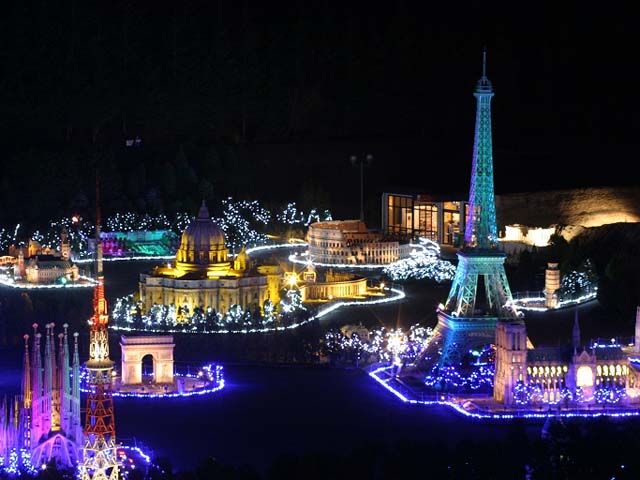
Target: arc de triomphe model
[160,347]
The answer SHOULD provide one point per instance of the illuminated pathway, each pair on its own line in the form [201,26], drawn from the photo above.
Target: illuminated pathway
[491,411]
[395,294]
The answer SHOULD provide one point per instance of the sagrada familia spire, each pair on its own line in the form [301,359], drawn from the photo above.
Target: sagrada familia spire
[100,449]
[44,421]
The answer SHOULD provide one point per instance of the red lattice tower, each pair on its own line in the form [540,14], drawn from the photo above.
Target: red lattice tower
[100,449]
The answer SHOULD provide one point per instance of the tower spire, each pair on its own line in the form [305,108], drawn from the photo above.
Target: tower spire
[481,230]
[99,273]
[99,453]
[484,62]
[575,334]
[484,82]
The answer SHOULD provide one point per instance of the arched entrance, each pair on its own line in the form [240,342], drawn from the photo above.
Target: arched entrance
[134,349]
[148,366]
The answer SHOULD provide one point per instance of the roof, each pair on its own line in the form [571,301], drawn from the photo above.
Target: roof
[549,354]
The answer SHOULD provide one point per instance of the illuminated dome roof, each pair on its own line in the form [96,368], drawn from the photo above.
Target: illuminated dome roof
[203,233]
[202,247]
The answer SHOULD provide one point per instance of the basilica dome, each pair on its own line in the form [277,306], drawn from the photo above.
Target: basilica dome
[202,247]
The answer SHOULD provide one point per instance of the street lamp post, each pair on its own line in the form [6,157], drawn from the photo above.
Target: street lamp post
[361,162]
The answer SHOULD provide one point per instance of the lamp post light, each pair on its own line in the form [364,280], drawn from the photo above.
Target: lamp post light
[361,162]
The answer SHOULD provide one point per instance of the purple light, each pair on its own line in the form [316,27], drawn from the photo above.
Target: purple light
[216,378]
[499,416]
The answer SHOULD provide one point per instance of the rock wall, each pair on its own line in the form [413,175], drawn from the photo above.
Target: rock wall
[583,207]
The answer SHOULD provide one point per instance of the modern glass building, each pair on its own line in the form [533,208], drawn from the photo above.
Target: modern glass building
[422,215]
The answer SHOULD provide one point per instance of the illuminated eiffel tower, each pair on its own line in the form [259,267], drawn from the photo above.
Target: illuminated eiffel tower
[480,295]
[100,449]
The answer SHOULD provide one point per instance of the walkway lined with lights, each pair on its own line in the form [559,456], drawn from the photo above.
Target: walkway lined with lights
[216,383]
[384,377]
[8,282]
[396,295]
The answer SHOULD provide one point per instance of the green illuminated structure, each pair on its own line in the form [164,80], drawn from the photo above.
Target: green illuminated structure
[480,295]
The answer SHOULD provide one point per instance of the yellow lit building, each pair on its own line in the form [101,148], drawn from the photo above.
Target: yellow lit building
[204,276]
[332,285]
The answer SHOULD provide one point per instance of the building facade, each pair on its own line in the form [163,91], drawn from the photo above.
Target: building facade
[574,373]
[422,215]
[42,266]
[44,420]
[332,285]
[140,242]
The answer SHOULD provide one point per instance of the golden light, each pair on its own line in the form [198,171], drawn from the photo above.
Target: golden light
[584,376]
[292,279]
[381,285]
[394,342]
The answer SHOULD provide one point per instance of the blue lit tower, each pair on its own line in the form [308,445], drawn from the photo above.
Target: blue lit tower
[468,319]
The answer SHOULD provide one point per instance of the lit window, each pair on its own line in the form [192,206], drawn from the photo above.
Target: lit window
[584,376]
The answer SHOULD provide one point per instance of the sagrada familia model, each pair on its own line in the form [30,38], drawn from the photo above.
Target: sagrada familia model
[44,419]
[43,423]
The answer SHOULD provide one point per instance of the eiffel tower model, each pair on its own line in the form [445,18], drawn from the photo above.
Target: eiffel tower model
[480,296]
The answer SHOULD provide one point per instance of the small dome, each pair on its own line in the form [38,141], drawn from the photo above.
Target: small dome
[202,243]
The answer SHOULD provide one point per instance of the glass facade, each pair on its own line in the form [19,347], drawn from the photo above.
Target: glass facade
[413,217]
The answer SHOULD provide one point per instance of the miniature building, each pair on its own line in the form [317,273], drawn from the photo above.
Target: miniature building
[160,347]
[511,359]
[350,242]
[204,277]
[45,266]
[50,269]
[433,217]
[551,285]
[332,285]
[140,242]
[551,372]
[45,419]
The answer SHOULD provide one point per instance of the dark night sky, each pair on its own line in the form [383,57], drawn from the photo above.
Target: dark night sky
[322,80]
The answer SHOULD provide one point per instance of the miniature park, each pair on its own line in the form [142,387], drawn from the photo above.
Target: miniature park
[251,277]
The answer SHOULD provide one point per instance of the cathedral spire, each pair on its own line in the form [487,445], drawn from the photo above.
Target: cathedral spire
[26,375]
[637,339]
[575,334]
[36,386]
[75,390]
